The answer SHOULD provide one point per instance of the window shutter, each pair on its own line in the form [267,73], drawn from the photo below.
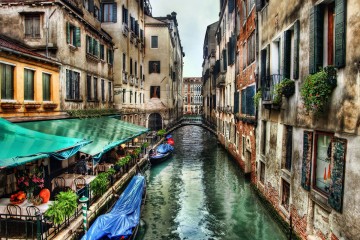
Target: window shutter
[77,85]
[268,60]
[224,60]
[236,102]
[316,39]
[306,163]
[101,12]
[123,14]
[96,48]
[78,36]
[287,54]
[296,49]
[67,32]
[91,6]
[114,13]
[231,6]
[68,84]
[250,92]
[243,101]
[338,150]
[340,33]
[229,53]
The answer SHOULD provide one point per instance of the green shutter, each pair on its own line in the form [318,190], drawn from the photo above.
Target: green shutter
[96,48]
[340,33]
[250,106]
[91,50]
[78,36]
[243,101]
[46,87]
[236,102]
[306,163]
[67,32]
[338,149]
[268,60]
[114,13]
[316,39]
[91,6]
[296,49]
[287,54]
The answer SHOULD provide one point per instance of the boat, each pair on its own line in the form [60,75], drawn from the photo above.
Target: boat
[123,220]
[162,152]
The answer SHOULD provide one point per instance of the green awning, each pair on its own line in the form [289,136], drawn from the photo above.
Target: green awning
[21,145]
[105,132]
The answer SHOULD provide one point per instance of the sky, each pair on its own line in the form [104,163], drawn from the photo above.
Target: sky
[193,17]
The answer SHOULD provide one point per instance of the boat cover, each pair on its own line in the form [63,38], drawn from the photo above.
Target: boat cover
[164,148]
[124,216]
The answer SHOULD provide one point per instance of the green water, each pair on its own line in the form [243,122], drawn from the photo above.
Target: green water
[200,193]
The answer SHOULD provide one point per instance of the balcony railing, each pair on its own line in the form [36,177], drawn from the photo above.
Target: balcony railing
[131,80]
[268,85]
[142,84]
[220,80]
[136,82]
[124,77]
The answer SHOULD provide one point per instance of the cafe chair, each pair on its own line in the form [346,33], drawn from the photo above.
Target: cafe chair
[79,183]
[14,211]
[59,182]
[32,212]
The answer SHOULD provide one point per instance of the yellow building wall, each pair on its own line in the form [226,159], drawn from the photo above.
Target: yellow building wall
[18,107]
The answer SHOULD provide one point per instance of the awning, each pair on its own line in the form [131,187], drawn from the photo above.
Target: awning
[105,132]
[21,145]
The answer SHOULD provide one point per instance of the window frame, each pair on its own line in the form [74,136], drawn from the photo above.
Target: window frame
[107,6]
[45,98]
[5,90]
[152,42]
[33,33]
[73,93]
[29,93]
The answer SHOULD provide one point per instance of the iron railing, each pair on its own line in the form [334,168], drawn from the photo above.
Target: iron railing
[268,84]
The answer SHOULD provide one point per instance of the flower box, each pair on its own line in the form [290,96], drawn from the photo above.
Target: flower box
[50,105]
[32,105]
[10,105]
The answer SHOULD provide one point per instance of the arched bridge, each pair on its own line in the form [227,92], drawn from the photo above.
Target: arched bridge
[192,120]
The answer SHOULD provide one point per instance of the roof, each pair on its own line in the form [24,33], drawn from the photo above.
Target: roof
[9,44]
[105,132]
[21,145]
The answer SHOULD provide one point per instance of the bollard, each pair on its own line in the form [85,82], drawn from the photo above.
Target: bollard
[84,200]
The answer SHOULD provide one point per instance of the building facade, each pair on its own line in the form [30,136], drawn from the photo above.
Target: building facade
[307,162]
[193,97]
[164,65]
[70,32]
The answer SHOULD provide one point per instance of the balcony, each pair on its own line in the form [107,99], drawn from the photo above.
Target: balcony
[131,80]
[268,84]
[124,77]
[125,30]
[142,84]
[220,80]
[136,82]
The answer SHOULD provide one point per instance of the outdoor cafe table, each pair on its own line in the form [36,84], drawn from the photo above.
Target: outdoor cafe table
[5,201]
[70,177]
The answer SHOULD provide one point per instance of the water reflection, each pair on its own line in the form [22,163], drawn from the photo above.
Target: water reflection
[200,193]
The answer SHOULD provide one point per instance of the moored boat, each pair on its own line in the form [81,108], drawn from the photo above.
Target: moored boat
[162,152]
[123,220]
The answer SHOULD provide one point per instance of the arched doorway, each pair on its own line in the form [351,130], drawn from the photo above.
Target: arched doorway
[155,121]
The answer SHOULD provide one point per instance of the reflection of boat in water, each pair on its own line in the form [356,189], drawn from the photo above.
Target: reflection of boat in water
[162,152]
[123,220]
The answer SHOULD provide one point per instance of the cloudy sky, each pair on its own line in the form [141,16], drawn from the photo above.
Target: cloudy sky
[193,17]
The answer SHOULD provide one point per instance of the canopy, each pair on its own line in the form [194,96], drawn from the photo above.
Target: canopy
[21,145]
[106,132]
[124,216]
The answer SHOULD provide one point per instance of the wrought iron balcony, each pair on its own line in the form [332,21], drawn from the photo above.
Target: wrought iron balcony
[124,77]
[268,84]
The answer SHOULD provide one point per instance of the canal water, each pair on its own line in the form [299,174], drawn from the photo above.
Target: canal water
[200,193]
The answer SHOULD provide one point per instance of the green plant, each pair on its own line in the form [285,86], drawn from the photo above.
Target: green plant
[285,88]
[64,206]
[100,184]
[145,145]
[161,133]
[257,97]
[89,113]
[110,172]
[316,90]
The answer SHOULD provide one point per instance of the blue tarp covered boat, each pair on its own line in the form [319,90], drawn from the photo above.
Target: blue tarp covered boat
[162,152]
[124,217]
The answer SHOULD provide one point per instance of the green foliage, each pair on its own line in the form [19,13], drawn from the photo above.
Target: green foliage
[110,172]
[316,91]
[161,133]
[257,97]
[100,184]
[91,113]
[145,145]
[122,162]
[285,88]
[64,205]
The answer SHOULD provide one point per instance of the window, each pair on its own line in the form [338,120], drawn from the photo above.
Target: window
[109,12]
[285,194]
[73,35]
[155,92]
[135,97]
[247,100]
[136,69]
[110,91]
[102,52]
[154,42]
[322,161]
[224,56]
[141,72]
[250,4]
[154,66]
[131,93]
[102,90]
[95,89]
[110,55]
[244,15]
[262,172]
[96,13]
[263,138]
[7,81]
[88,87]
[46,79]
[92,46]
[243,146]
[124,96]
[124,62]
[244,53]
[288,149]
[131,66]
[72,85]
[32,26]
[28,84]
[251,48]
[125,16]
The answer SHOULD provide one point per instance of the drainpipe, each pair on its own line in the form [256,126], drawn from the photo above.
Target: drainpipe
[47,32]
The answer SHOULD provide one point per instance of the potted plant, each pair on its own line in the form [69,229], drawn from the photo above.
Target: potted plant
[257,97]
[317,89]
[287,87]
[64,206]
[161,133]
[144,146]
[100,184]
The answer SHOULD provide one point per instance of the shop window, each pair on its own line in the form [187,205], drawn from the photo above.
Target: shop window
[7,81]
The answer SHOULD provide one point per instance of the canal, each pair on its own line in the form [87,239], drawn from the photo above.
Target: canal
[200,193]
